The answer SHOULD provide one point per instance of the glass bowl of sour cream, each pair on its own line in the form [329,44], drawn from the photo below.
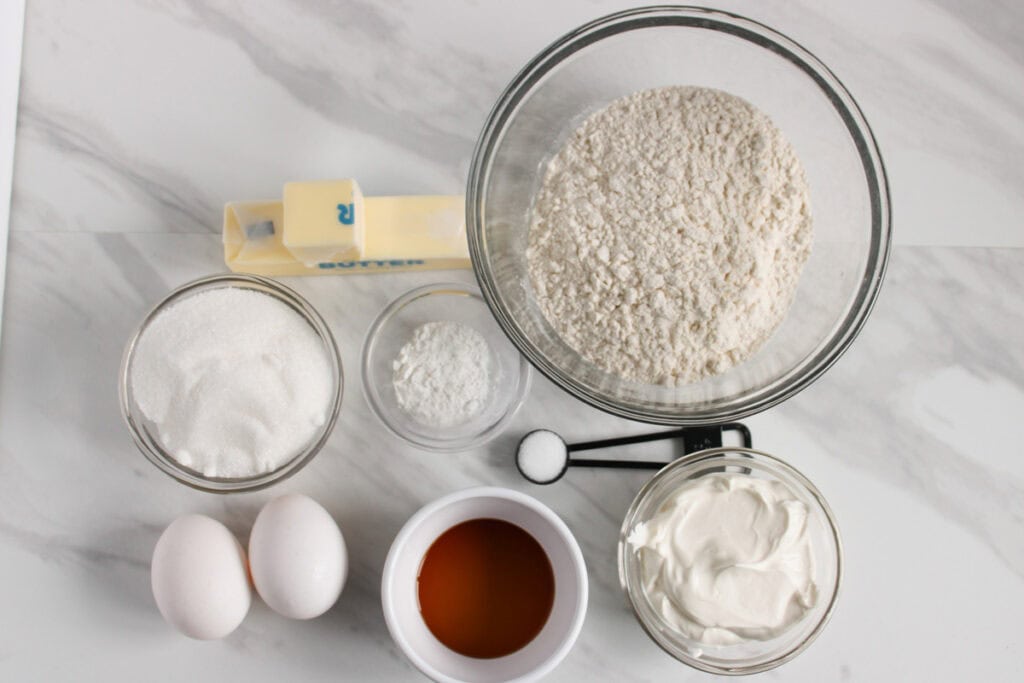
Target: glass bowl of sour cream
[731,560]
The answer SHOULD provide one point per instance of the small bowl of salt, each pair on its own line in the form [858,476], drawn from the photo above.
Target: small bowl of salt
[231,383]
[439,372]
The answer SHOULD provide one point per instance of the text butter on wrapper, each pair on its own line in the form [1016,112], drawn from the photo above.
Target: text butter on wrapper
[328,227]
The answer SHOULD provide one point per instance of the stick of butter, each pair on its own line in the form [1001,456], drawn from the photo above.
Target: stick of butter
[323,221]
[328,227]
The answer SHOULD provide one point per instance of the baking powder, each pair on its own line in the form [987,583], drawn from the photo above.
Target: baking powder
[442,376]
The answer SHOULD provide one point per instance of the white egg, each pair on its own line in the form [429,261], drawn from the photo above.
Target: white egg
[297,556]
[199,577]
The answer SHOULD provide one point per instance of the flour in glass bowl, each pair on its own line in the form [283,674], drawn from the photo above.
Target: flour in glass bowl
[669,234]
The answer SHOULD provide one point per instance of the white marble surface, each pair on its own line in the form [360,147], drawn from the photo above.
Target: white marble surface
[138,120]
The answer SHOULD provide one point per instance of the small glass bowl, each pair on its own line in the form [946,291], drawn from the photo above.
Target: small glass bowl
[395,326]
[751,656]
[144,432]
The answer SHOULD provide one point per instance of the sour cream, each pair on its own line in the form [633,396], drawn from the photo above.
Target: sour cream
[728,559]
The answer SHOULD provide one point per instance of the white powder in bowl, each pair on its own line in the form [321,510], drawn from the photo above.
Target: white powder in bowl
[236,382]
[669,233]
[442,376]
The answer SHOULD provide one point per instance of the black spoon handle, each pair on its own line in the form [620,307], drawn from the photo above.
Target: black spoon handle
[619,464]
[700,438]
[625,440]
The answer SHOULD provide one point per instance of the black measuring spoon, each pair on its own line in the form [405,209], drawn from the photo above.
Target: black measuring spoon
[543,457]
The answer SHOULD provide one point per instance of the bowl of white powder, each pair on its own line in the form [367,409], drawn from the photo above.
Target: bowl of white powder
[231,383]
[678,215]
[438,371]
[731,560]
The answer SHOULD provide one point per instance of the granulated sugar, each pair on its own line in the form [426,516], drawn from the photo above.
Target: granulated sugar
[236,382]
[669,234]
[442,376]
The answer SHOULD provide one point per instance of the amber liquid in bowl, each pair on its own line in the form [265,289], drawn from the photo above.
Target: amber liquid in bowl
[486,588]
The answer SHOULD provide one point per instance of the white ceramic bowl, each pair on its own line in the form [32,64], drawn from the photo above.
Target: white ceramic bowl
[401,604]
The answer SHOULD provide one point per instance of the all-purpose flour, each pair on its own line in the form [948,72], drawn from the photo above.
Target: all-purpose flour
[669,234]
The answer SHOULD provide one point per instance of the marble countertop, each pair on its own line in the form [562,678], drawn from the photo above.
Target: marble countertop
[137,121]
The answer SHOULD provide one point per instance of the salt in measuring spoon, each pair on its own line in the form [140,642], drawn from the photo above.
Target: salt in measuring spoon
[543,457]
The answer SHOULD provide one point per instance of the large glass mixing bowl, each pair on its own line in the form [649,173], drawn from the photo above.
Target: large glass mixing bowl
[651,47]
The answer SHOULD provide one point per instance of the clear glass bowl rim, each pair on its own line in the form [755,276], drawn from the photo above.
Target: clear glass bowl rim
[759,34]
[372,395]
[742,457]
[191,478]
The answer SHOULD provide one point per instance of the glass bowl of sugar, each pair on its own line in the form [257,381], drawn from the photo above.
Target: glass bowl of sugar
[678,215]
[231,383]
[439,373]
